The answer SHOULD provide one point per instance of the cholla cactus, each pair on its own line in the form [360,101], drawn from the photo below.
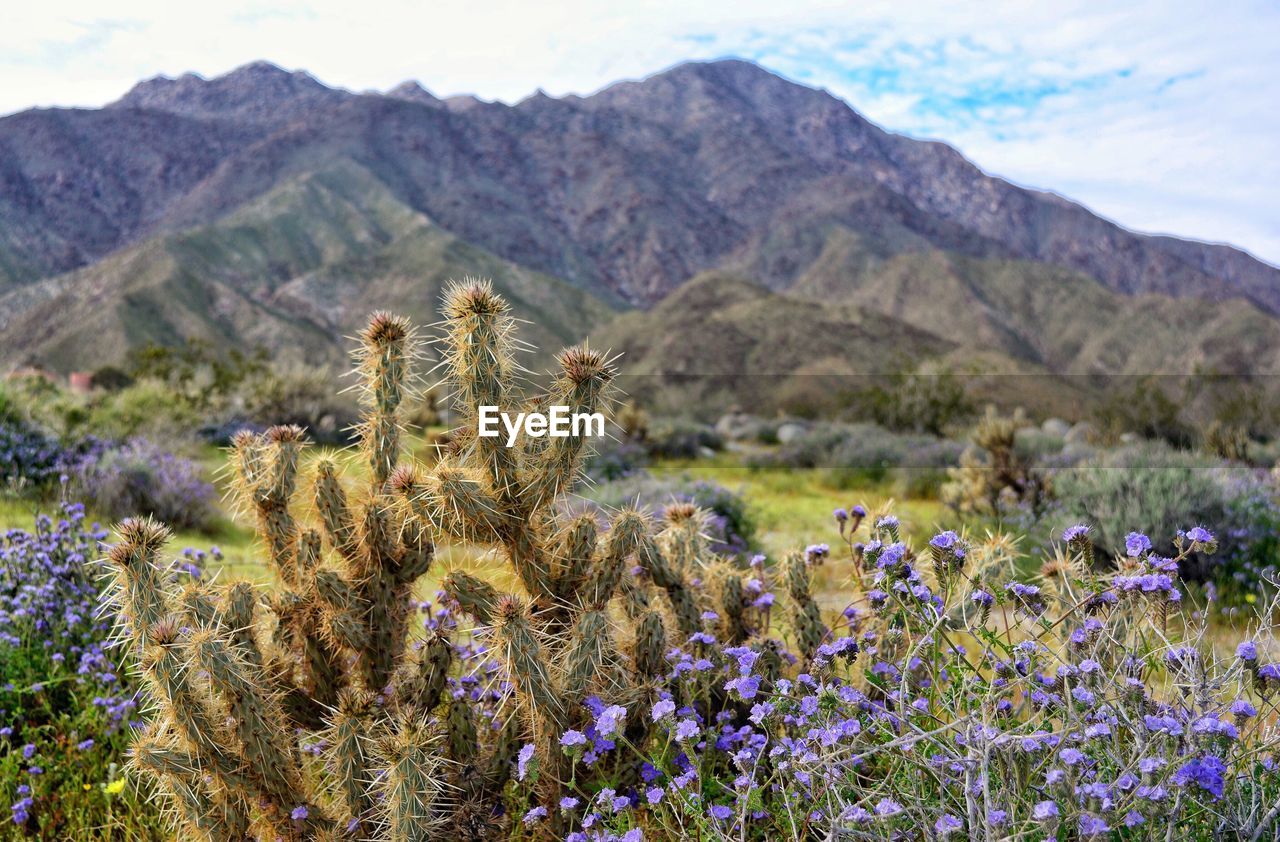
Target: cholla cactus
[239,683]
[234,679]
[558,641]
[993,477]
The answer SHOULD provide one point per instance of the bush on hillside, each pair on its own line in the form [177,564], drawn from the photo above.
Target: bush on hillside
[139,477]
[916,402]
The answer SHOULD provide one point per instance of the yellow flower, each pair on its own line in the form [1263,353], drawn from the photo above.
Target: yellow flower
[115,787]
[1250,598]
[87,787]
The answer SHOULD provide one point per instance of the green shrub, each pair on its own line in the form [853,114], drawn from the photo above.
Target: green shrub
[681,439]
[916,402]
[148,407]
[1158,490]
[1144,408]
[300,397]
[856,455]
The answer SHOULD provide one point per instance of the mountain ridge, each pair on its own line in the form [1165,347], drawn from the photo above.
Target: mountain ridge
[727,117]
[714,174]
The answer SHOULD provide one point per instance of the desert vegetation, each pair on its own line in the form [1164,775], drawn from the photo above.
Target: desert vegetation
[973,627]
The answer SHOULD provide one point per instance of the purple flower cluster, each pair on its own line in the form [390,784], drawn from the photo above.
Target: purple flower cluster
[141,477]
[31,459]
[53,655]
[1051,724]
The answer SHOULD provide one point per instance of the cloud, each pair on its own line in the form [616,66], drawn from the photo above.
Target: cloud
[1155,114]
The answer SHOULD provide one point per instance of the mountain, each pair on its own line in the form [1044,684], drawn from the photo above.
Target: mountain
[256,93]
[265,207]
[1052,339]
[294,271]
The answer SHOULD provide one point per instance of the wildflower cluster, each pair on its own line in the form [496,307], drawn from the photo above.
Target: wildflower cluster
[65,707]
[1063,708]
[138,477]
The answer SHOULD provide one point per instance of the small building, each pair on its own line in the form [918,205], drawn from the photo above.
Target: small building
[81,382]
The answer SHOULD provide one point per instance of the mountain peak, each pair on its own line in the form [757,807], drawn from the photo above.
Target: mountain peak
[695,89]
[412,91]
[258,92]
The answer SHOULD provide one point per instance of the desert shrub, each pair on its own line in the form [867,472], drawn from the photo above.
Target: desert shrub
[853,455]
[729,528]
[680,439]
[65,705]
[632,421]
[1144,407]
[10,411]
[1226,441]
[303,398]
[869,452]
[767,432]
[110,378]
[1037,445]
[812,449]
[146,408]
[140,477]
[1160,490]
[916,402]
[614,459]
[197,373]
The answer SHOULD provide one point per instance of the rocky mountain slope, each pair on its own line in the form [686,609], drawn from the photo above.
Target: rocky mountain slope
[264,207]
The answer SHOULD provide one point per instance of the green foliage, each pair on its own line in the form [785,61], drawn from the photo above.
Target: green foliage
[300,397]
[1161,490]
[680,439]
[916,402]
[148,407]
[854,455]
[1144,408]
[197,371]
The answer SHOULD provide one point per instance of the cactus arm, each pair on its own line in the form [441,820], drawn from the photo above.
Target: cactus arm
[581,387]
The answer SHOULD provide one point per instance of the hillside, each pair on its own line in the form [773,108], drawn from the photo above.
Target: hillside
[295,271]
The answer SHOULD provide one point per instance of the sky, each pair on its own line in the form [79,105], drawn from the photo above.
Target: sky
[1159,115]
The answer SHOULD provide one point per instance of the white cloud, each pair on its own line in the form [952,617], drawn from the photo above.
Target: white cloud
[1156,114]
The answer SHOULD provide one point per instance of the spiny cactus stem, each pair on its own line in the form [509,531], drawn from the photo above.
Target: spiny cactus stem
[140,589]
[335,512]
[219,817]
[257,717]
